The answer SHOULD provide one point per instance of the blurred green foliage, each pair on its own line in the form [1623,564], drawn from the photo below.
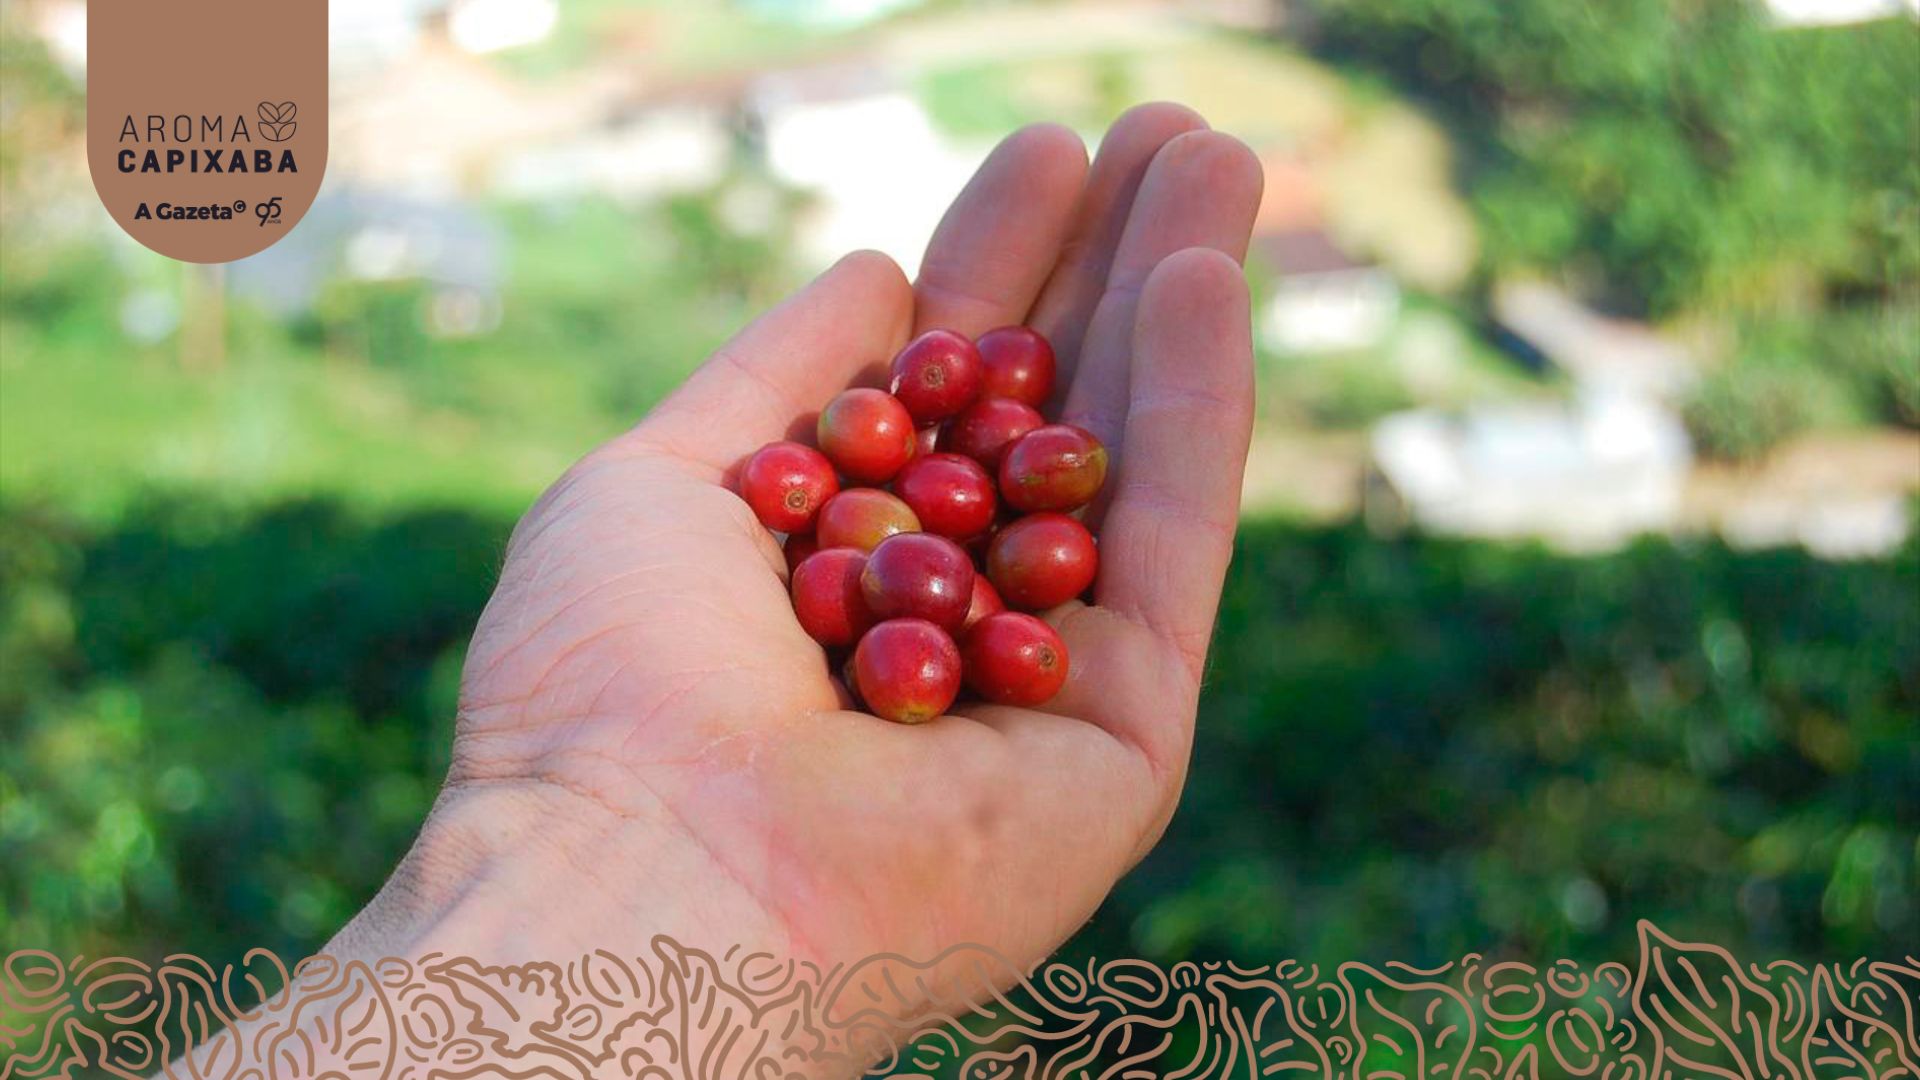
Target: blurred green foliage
[1742,410]
[985,100]
[1433,357]
[1798,373]
[42,103]
[233,602]
[1688,152]
[1424,748]
[598,317]
[224,727]
[1692,160]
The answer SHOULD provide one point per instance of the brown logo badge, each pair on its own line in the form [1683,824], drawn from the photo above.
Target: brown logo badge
[207,120]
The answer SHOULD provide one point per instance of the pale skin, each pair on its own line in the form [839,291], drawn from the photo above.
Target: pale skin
[649,744]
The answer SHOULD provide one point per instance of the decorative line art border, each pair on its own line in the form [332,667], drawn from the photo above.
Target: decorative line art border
[1682,1010]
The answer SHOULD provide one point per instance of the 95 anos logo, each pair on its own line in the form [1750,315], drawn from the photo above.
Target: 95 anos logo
[206,128]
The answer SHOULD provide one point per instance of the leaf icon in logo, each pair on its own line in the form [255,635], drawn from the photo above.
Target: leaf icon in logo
[276,121]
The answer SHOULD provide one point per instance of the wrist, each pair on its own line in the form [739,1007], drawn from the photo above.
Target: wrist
[525,926]
[525,871]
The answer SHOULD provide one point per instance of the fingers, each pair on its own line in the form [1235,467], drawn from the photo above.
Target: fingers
[1106,800]
[773,377]
[1168,532]
[1066,304]
[1202,190]
[1135,658]
[999,240]
[1124,683]
[987,262]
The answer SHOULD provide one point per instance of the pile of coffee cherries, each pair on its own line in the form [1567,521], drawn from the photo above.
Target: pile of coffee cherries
[931,583]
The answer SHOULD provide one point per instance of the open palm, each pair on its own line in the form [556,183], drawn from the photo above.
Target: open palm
[651,741]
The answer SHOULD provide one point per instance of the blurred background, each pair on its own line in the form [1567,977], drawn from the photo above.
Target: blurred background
[1578,583]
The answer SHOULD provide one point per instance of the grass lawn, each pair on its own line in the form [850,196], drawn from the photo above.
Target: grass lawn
[355,402]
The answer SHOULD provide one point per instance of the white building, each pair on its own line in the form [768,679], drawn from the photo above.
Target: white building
[863,145]
[1323,300]
[1595,351]
[1586,475]
[1796,13]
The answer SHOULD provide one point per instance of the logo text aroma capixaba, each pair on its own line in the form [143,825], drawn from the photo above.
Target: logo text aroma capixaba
[206,125]
[210,144]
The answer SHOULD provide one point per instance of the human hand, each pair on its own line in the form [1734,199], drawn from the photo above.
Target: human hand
[649,744]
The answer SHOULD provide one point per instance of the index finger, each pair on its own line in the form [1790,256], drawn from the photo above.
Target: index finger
[785,365]
[999,240]
[1168,533]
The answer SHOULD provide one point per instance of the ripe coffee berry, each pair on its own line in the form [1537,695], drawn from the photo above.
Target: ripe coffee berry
[977,476]
[921,576]
[827,598]
[1014,659]
[950,494]
[785,484]
[906,670]
[861,518]
[937,375]
[985,429]
[985,602]
[1018,364]
[867,434]
[1056,467]
[797,548]
[1041,561]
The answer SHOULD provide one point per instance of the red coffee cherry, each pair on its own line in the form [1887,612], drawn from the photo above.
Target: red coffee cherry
[1041,561]
[985,602]
[919,576]
[1014,659]
[797,548]
[986,428]
[1056,467]
[867,434]
[950,494]
[785,484]
[852,684]
[937,375]
[861,518]
[827,598]
[926,440]
[1018,364]
[906,670]
[978,544]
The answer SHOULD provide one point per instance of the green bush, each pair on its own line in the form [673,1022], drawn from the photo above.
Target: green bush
[1691,154]
[1878,350]
[1413,750]
[223,728]
[1744,409]
[1794,373]
[1344,391]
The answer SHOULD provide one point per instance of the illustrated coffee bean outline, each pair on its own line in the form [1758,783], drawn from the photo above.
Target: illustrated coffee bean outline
[276,121]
